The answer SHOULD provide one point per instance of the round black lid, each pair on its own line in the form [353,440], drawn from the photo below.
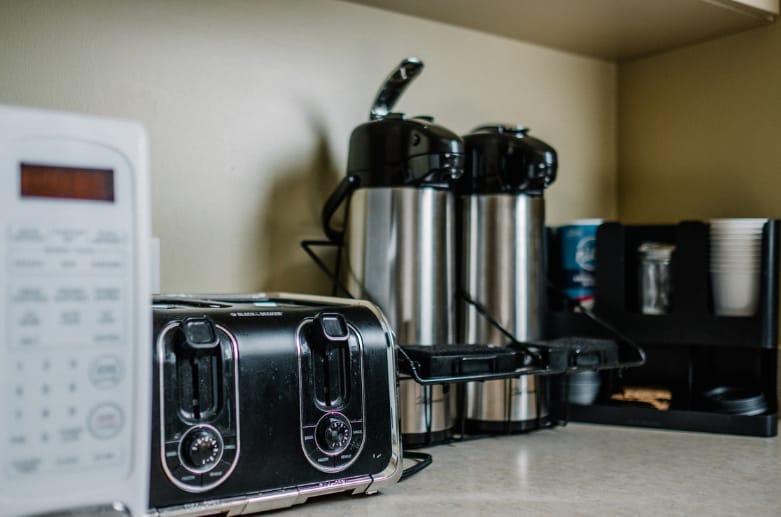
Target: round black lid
[398,151]
[737,400]
[505,159]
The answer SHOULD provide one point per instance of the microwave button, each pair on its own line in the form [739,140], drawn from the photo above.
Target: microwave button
[105,421]
[26,466]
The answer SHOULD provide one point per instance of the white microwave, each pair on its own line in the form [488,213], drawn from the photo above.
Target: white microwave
[75,350]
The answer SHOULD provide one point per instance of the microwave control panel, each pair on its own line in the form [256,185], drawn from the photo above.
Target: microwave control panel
[74,311]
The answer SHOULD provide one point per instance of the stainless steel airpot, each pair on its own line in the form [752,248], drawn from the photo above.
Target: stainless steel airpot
[502,274]
[398,239]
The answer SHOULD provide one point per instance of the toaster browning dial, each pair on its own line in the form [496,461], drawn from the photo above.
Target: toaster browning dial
[201,449]
[333,433]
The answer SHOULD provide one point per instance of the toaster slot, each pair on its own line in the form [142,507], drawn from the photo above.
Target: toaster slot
[331,387]
[199,431]
[199,381]
[330,356]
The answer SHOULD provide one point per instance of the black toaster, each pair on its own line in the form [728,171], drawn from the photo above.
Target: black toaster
[263,401]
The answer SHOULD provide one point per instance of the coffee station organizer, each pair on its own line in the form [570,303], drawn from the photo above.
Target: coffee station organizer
[717,373]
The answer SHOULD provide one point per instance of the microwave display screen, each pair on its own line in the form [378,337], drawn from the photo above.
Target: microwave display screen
[66,182]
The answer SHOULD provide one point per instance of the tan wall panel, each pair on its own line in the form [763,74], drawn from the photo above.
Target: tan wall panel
[699,131]
[249,105]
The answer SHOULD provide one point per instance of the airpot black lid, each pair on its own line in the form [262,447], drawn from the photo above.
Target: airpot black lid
[505,159]
[398,151]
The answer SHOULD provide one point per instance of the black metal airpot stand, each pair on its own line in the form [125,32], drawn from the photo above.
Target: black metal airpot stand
[456,364]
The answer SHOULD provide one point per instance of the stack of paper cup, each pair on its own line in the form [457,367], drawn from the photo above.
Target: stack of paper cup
[735,261]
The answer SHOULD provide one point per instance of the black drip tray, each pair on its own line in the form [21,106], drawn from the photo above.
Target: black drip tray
[437,361]
[430,364]
[571,353]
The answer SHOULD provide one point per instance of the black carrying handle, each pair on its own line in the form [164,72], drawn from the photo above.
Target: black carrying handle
[346,187]
[394,86]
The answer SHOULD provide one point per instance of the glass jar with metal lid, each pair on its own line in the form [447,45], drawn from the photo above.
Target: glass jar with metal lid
[655,277]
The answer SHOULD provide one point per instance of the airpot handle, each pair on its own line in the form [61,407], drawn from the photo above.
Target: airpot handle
[342,192]
[394,86]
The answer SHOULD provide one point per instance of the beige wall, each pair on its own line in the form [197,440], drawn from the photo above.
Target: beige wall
[700,131]
[249,106]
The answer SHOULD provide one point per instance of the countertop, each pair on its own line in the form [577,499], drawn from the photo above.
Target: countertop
[581,469]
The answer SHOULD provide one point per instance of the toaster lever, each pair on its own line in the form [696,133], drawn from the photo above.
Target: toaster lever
[329,343]
[199,334]
[332,328]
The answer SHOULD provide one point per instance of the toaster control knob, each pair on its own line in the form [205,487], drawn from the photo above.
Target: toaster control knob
[201,449]
[334,433]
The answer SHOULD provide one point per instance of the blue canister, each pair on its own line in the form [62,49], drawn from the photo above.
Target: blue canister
[578,241]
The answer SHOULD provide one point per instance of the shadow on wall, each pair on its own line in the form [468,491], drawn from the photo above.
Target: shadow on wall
[292,213]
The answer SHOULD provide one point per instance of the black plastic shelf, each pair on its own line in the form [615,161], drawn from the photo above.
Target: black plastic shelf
[690,348]
[765,425]
[691,319]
